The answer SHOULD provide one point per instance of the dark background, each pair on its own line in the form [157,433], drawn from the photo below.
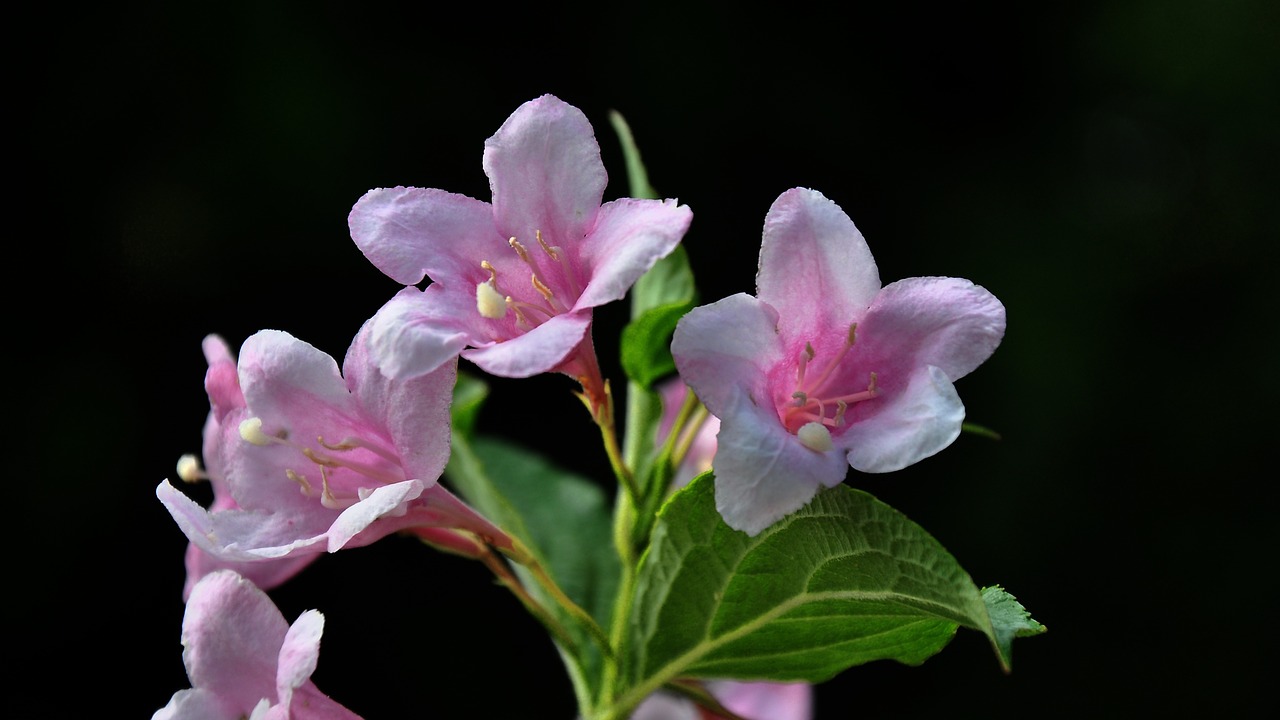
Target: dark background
[1107,169]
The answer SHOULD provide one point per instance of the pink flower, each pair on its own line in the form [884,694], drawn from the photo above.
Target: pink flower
[225,398]
[245,661]
[513,282]
[318,460]
[751,700]
[825,369]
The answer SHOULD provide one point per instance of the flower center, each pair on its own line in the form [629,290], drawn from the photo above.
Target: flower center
[345,468]
[821,399]
[550,268]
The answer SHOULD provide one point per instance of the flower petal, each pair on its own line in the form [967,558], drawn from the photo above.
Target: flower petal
[231,636]
[545,172]
[913,423]
[628,238]
[815,267]
[197,704]
[244,535]
[266,574]
[417,331]
[726,349]
[414,412]
[947,322]
[388,500]
[764,473]
[537,351]
[299,654]
[773,700]
[409,233]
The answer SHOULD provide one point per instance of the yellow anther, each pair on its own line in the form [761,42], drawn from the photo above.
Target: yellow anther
[801,398]
[871,386]
[300,479]
[841,406]
[808,350]
[493,274]
[541,287]
[546,248]
[853,333]
[515,245]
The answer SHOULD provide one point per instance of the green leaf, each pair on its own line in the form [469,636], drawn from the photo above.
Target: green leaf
[843,581]
[668,282]
[658,300]
[637,178]
[469,394]
[1009,620]
[646,344]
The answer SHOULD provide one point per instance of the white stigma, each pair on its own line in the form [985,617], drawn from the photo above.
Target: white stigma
[251,432]
[489,301]
[189,469]
[815,436]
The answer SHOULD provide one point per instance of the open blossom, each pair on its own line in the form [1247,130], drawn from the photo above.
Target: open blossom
[513,282]
[245,661]
[318,460]
[225,398]
[750,700]
[825,369]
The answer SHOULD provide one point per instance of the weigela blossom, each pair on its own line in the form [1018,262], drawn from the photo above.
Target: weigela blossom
[318,460]
[225,398]
[751,700]
[513,283]
[245,661]
[825,369]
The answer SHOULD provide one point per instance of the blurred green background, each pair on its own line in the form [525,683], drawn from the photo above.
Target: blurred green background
[1107,169]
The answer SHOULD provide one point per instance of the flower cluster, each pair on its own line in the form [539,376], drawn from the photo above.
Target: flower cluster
[775,397]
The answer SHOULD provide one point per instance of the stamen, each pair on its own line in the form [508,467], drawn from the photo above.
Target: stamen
[521,320]
[543,289]
[493,273]
[801,398]
[515,245]
[553,252]
[365,469]
[815,436]
[351,443]
[853,334]
[805,357]
[841,406]
[301,480]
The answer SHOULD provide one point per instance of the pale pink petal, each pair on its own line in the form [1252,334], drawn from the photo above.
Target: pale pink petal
[764,473]
[726,349]
[266,574]
[285,378]
[765,700]
[537,351]
[311,704]
[409,233]
[197,704]
[388,500]
[231,637]
[815,267]
[907,426]
[243,535]
[628,238]
[665,706]
[414,411]
[545,172]
[417,331]
[220,380]
[299,654]
[946,322]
